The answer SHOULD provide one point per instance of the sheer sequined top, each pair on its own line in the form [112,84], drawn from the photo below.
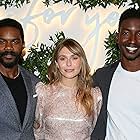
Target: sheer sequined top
[58,117]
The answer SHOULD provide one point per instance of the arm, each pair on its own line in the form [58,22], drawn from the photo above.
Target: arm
[97,100]
[39,126]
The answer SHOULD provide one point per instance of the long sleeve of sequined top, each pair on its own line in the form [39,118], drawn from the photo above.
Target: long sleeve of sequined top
[58,117]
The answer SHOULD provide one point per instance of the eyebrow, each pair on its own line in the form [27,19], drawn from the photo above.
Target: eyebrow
[63,55]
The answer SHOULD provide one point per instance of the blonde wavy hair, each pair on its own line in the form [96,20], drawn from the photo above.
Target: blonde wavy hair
[84,82]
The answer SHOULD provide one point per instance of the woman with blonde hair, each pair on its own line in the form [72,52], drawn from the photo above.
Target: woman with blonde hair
[68,106]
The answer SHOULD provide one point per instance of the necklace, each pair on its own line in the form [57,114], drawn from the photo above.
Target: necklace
[12,77]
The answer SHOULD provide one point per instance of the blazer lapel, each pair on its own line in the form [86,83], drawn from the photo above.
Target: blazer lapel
[103,80]
[106,82]
[29,89]
[108,78]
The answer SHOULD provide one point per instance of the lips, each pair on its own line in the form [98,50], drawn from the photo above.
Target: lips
[69,70]
[8,56]
[131,49]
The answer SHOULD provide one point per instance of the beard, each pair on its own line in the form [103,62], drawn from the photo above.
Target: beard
[12,63]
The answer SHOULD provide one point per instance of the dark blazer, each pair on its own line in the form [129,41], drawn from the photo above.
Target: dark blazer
[102,78]
[10,126]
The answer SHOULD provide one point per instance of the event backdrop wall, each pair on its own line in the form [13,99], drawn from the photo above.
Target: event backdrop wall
[90,28]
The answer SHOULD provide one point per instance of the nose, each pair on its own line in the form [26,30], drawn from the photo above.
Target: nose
[8,46]
[68,62]
[132,39]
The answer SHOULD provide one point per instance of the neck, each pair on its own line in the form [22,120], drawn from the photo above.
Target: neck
[131,66]
[11,73]
[69,82]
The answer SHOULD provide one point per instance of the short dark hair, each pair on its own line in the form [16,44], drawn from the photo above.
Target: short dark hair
[129,13]
[8,22]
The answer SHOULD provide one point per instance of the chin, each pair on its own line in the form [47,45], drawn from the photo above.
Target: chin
[71,77]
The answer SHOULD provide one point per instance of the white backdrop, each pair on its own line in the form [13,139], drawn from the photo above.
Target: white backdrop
[89,28]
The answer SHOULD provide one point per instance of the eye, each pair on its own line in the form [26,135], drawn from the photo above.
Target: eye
[138,34]
[75,57]
[125,33]
[15,41]
[61,58]
[2,42]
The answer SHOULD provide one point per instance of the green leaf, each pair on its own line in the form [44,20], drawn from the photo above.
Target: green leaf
[112,51]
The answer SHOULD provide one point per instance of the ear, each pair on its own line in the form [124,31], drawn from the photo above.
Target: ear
[117,40]
[117,37]
[23,50]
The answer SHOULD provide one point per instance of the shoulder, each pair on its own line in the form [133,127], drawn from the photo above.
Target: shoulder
[107,68]
[41,91]
[44,89]
[101,75]
[27,74]
[41,87]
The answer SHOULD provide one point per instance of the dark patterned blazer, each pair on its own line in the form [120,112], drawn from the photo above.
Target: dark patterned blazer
[10,126]
[102,78]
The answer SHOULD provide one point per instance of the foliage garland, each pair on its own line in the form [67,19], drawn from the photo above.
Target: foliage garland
[90,4]
[83,4]
[13,3]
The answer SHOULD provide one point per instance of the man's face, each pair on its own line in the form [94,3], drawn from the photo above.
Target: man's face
[11,46]
[129,39]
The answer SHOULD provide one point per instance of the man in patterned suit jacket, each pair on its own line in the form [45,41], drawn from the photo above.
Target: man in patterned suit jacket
[17,85]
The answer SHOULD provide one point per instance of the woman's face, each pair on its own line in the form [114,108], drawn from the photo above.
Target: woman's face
[68,64]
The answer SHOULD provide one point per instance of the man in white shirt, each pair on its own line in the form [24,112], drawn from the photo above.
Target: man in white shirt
[119,118]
